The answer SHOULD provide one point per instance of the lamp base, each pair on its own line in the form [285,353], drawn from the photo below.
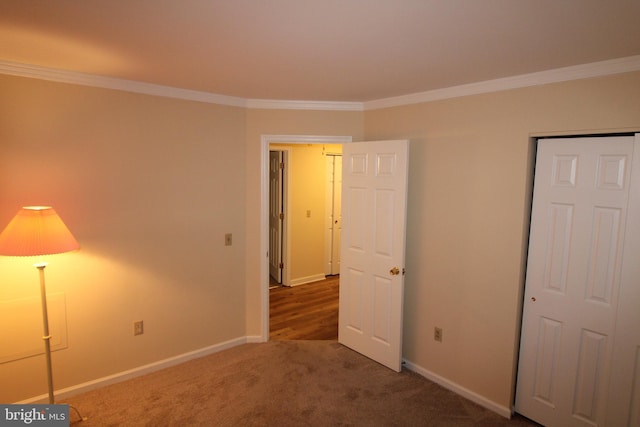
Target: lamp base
[78,413]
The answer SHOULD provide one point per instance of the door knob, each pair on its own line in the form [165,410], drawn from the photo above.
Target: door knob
[394,271]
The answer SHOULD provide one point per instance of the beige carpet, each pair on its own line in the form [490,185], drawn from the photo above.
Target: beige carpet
[281,383]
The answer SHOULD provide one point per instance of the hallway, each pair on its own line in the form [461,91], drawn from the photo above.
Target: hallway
[305,312]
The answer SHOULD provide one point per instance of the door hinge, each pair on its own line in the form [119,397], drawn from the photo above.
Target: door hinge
[281,216]
[282,165]
[281,265]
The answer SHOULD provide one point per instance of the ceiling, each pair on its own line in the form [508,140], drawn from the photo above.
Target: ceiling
[322,50]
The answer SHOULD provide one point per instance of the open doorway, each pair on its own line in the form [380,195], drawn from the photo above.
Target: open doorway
[304,240]
[304,212]
[307,271]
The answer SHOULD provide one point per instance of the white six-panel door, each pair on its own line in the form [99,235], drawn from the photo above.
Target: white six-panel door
[574,284]
[373,243]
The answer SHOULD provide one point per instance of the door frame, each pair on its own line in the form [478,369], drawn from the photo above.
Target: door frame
[265,141]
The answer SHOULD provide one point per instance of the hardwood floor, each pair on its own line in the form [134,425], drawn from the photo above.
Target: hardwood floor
[305,312]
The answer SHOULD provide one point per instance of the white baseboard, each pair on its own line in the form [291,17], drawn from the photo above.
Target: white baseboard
[308,279]
[136,372]
[458,389]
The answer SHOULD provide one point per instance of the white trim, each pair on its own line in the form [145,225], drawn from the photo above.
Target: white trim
[460,390]
[308,279]
[577,72]
[139,371]
[254,339]
[305,139]
[274,104]
[265,140]
[84,79]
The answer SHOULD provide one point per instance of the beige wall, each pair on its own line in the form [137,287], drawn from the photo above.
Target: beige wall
[149,186]
[467,215]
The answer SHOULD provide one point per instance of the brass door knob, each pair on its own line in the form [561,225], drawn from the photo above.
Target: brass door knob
[394,271]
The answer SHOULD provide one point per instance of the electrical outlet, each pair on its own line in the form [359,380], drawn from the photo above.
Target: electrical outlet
[138,327]
[437,334]
[228,239]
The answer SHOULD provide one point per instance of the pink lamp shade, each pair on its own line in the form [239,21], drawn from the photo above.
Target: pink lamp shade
[36,230]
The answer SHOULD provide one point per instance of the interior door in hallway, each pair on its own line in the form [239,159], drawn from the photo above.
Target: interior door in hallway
[276,212]
[374,197]
[333,214]
[580,251]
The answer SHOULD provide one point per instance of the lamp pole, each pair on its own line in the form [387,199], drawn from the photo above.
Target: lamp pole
[45,325]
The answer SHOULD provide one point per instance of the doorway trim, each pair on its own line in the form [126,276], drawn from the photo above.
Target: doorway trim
[265,141]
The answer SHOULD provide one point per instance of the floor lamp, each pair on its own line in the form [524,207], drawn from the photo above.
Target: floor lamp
[38,231]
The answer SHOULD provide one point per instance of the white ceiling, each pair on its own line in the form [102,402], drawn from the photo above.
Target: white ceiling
[323,50]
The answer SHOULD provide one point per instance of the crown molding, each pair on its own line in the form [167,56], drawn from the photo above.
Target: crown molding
[84,79]
[595,69]
[576,72]
[274,104]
